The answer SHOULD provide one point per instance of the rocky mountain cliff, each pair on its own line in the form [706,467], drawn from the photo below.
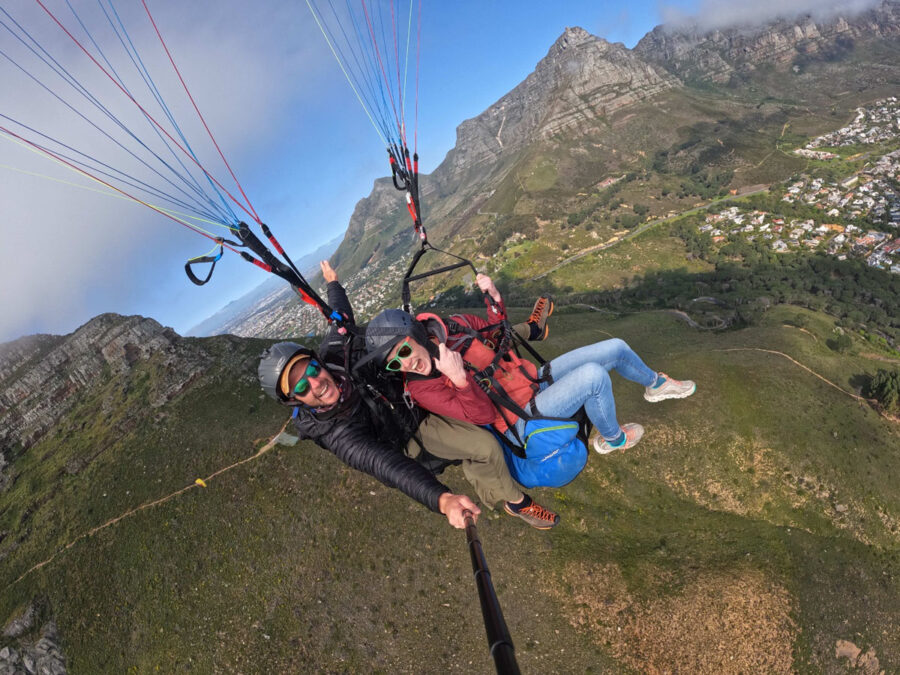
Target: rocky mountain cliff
[593,113]
[582,78]
[42,376]
[720,54]
[585,79]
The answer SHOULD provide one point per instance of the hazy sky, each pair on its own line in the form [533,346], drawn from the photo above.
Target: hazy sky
[283,115]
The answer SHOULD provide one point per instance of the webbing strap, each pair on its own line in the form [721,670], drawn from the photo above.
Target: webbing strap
[267,261]
[199,260]
[409,276]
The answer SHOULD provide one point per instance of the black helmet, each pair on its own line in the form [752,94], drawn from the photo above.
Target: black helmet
[272,363]
[387,329]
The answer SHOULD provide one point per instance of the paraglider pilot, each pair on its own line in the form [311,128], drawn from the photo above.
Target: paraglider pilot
[363,419]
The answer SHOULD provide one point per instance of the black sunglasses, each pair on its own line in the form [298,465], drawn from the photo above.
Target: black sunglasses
[404,352]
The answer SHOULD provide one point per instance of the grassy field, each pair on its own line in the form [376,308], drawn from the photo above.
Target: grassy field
[753,527]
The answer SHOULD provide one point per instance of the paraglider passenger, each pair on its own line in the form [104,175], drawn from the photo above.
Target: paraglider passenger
[378,433]
[437,365]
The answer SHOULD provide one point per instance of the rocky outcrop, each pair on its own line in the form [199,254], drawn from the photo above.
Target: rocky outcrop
[582,78]
[371,213]
[41,376]
[42,656]
[719,54]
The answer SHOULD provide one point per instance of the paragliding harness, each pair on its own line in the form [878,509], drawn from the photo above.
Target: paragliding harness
[550,451]
[395,416]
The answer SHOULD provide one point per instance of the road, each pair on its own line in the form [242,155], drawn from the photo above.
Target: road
[646,226]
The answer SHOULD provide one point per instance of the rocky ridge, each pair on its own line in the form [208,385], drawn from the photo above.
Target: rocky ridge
[582,78]
[41,376]
[29,654]
[718,55]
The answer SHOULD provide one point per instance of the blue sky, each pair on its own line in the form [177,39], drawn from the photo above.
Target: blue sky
[287,122]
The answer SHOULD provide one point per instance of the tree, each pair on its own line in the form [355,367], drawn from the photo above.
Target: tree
[885,388]
[840,344]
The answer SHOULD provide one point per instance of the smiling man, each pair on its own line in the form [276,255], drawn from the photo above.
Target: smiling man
[377,432]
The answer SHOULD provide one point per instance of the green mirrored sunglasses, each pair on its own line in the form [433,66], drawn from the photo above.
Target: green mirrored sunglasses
[312,370]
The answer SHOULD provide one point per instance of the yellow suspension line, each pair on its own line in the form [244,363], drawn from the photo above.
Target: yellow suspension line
[336,58]
[175,215]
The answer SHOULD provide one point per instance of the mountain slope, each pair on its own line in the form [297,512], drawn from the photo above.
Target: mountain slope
[754,529]
[600,138]
[721,55]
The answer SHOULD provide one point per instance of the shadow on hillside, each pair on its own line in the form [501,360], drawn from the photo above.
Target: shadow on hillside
[861,297]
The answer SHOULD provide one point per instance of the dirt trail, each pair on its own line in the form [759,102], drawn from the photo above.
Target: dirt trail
[795,362]
[264,449]
[743,192]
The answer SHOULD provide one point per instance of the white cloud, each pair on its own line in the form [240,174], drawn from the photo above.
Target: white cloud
[712,14]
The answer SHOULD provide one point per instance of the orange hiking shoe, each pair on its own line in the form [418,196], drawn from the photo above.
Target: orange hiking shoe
[534,514]
[543,308]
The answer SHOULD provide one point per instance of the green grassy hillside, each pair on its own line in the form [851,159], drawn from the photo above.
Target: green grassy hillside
[754,526]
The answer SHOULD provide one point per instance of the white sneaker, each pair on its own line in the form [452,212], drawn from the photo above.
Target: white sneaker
[669,389]
[633,433]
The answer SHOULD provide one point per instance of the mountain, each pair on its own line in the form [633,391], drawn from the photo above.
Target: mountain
[721,55]
[241,316]
[753,529]
[42,376]
[600,137]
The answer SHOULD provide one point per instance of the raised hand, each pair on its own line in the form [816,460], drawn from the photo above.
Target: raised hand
[451,364]
[327,272]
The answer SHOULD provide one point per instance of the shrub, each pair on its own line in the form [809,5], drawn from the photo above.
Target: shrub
[885,388]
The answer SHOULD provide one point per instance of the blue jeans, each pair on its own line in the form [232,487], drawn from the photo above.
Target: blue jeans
[581,378]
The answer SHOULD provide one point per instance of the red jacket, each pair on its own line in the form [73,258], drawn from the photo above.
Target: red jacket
[435,392]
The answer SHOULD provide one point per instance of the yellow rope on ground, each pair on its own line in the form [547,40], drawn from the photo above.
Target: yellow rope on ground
[268,446]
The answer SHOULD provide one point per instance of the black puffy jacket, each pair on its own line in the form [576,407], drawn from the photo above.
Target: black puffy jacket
[368,430]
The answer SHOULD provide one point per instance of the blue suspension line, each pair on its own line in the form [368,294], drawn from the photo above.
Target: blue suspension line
[397,111]
[152,86]
[368,93]
[367,38]
[131,180]
[192,184]
[61,71]
[190,207]
[382,110]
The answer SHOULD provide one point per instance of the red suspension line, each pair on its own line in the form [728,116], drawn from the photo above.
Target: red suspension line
[383,72]
[199,114]
[399,82]
[144,111]
[418,54]
[52,154]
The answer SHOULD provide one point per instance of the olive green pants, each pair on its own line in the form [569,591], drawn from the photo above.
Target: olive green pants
[481,455]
